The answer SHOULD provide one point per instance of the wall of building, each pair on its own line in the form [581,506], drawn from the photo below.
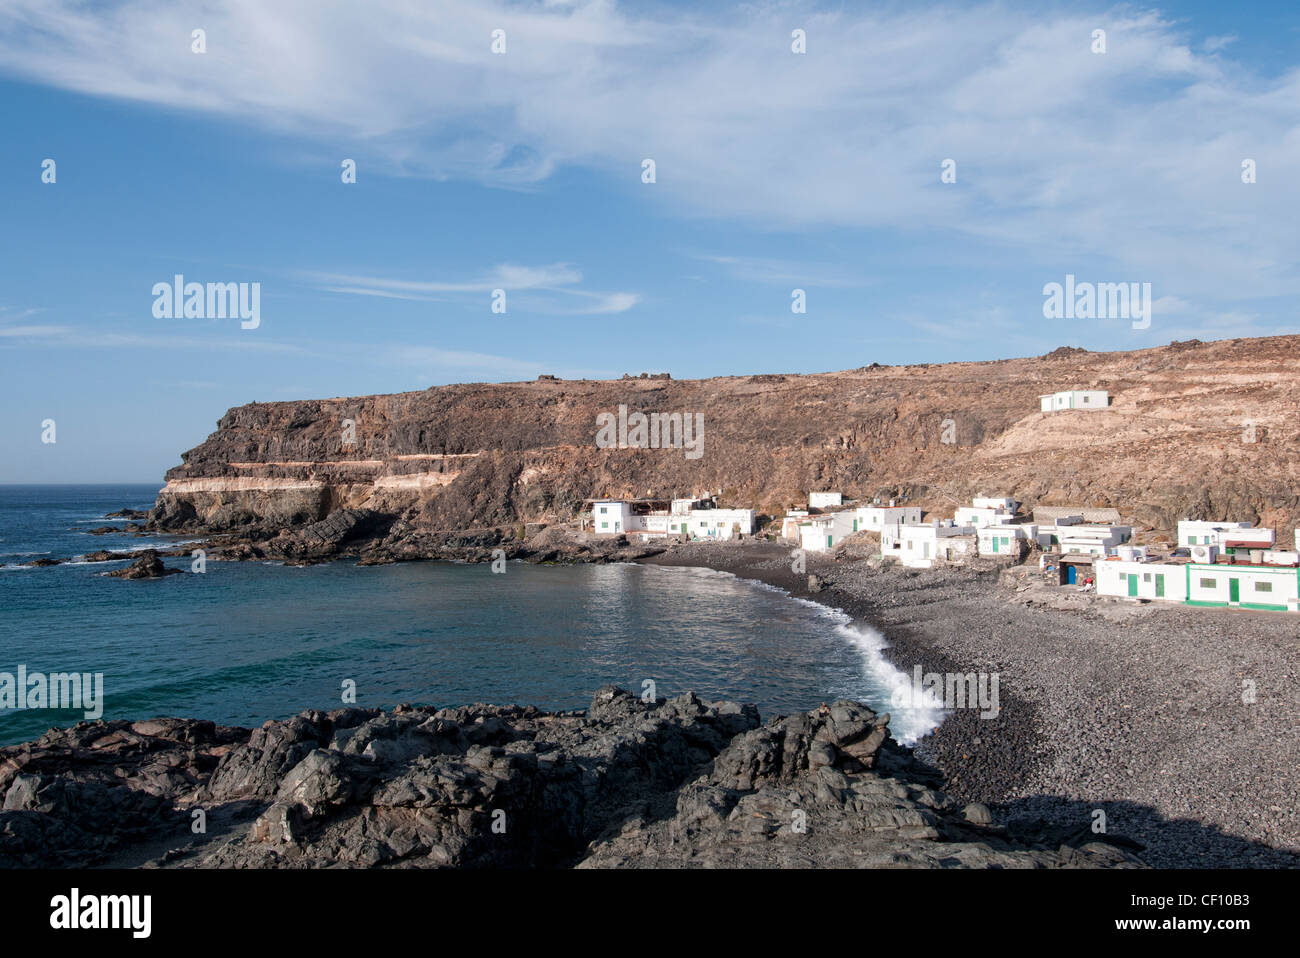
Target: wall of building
[1257,587]
[875,518]
[1165,582]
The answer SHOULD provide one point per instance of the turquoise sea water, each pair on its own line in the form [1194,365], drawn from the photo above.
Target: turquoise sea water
[249,641]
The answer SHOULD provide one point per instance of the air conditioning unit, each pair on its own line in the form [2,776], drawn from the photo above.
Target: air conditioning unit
[1204,553]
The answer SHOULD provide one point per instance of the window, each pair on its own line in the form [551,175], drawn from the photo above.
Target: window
[602,510]
[1146,576]
[1263,586]
[604,525]
[1209,584]
[1087,399]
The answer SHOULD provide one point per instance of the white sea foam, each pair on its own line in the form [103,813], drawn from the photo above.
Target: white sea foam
[907,725]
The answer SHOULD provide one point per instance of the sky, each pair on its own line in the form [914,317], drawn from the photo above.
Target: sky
[522,169]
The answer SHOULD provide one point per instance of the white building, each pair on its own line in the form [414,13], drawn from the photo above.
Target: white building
[875,518]
[1197,583]
[1002,539]
[983,515]
[1074,399]
[610,516]
[819,533]
[823,500]
[1049,533]
[1093,540]
[695,518]
[790,523]
[1244,586]
[1142,580]
[919,546]
[1193,532]
[719,523]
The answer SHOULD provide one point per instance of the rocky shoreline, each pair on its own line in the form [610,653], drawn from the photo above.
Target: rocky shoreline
[1132,712]
[672,783]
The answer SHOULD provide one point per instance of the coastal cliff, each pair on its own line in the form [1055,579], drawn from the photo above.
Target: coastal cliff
[1193,430]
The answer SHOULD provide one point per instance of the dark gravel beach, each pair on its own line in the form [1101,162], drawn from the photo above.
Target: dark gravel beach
[1135,712]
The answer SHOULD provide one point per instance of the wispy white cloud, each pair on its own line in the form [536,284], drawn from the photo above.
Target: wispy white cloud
[1132,156]
[765,270]
[556,278]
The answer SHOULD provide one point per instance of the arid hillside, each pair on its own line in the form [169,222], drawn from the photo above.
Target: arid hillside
[1194,429]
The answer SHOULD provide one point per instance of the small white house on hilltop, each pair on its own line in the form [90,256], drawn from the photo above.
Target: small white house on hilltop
[821,500]
[1074,399]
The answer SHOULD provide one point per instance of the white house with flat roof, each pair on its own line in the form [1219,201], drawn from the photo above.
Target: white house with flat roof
[1004,539]
[1233,585]
[1194,532]
[1243,586]
[819,533]
[920,546]
[695,518]
[1074,399]
[875,518]
[610,516]
[1094,540]
[823,500]
[1141,580]
[982,515]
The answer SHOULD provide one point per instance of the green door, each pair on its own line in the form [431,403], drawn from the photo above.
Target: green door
[855,525]
[1133,584]
[828,542]
[995,543]
[1160,585]
[1234,590]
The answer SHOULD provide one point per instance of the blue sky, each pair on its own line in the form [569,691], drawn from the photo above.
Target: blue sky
[522,171]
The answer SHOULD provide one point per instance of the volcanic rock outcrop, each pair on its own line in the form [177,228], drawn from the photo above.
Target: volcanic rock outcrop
[675,782]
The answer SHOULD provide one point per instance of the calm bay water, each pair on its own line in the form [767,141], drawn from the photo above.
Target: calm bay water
[249,641]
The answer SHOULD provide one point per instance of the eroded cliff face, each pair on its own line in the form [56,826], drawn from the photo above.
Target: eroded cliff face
[1175,442]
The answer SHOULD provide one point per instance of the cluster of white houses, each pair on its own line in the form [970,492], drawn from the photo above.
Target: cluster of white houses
[696,518]
[1228,564]
[1217,563]
[993,527]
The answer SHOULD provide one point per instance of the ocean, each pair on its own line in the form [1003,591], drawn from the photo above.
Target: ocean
[245,642]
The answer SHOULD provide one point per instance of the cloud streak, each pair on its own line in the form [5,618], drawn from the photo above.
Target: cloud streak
[1131,157]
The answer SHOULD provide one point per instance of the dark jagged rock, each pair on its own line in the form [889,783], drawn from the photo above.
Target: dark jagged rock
[675,782]
[325,539]
[147,566]
[125,513]
[42,563]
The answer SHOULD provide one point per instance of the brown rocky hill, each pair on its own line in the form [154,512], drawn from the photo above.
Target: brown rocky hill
[1176,442]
